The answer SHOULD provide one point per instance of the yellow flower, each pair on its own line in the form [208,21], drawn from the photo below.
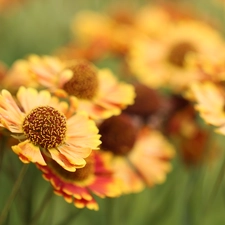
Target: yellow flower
[210,103]
[149,17]
[89,26]
[98,91]
[141,157]
[45,126]
[79,187]
[19,69]
[162,62]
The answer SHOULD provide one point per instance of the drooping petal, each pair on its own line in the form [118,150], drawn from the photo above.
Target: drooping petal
[28,152]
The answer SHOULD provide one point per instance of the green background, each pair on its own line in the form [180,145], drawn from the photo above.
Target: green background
[190,196]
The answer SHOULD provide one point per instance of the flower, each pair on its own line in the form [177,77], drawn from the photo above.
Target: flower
[40,122]
[109,32]
[209,102]
[140,155]
[98,91]
[20,68]
[92,27]
[163,62]
[95,178]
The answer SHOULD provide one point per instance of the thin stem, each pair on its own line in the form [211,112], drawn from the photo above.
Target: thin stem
[46,200]
[70,217]
[216,186]
[13,194]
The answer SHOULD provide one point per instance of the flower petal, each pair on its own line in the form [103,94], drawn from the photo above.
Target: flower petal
[29,153]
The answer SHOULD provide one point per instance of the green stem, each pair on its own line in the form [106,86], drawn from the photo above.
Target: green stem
[216,186]
[46,200]
[13,194]
[70,217]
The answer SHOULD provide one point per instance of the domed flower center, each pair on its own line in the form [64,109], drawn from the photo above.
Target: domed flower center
[81,174]
[142,107]
[84,83]
[118,134]
[45,126]
[179,52]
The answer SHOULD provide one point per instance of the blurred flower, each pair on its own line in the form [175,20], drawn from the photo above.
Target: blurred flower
[20,68]
[98,91]
[6,5]
[110,30]
[140,155]
[41,123]
[162,62]
[209,99]
[96,178]
[3,71]
[191,139]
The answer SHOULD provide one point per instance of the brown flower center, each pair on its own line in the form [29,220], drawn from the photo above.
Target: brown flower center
[147,101]
[118,134]
[179,52]
[80,174]
[84,83]
[45,126]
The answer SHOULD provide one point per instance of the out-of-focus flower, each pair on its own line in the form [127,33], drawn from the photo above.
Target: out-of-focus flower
[192,140]
[40,122]
[96,178]
[141,156]
[19,69]
[111,30]
[162,62]
[98,91]
[210,101]
[90,26]
[3,71]
[6,5]
[147,101]
[209,67]
[153,20]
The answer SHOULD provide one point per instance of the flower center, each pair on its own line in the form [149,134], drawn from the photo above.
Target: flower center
[84,83]
[45,126]
[118,134]
[179,52]
[142,107]
[81,174]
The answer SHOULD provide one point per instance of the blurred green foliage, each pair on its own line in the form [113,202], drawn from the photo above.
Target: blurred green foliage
[190,196]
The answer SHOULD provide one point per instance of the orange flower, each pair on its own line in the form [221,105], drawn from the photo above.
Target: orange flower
[140,157]
[210,102]
[40,122]
[99,93]
[19,69]
[163,61]
[95,178]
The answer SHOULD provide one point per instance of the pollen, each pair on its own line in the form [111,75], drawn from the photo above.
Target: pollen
[84,83]
[179,52]
[45,126]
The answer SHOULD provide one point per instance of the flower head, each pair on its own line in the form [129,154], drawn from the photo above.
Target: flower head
[98,91]
[163,62]
[79,187]
[46,126]
[140,156]
[209,101]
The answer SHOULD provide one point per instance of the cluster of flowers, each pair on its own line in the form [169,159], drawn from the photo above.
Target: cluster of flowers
[91,132]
